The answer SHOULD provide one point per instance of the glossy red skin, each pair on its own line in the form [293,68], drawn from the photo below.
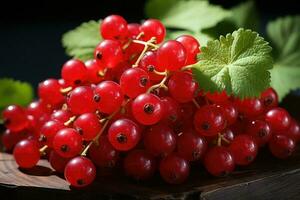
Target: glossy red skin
[171,111]
[111,96]
[244,149]
[223,157]
[104,155]
[269,98]
[15,118]
[74,72]
[81,100]
[114,27]
[134,81]
[49,92]
[70,138]
[143,117]
[192,47]
[260,131]
[48,131]
[80,171]
[117,71]
[133,30]
[160,140]
[9,139]
[174,169]
[250,107]
[111,53]
[57,162]
[217,97]
[93,68]
[182,87]
[153,28]
[61,115]
[26,153]
[281,146]
[171,55]
[294,131]
[211,116]
[230,112]
[88,126]
[190,146]
[139,164]
[37,109]
[279,119]
[129,129]
[150,60]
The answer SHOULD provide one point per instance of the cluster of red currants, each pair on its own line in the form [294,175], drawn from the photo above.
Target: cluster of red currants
[137,105]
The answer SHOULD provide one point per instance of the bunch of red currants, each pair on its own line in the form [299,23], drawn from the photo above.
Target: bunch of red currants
[136,105]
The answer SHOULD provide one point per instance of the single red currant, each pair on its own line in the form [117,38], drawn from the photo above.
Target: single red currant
[26,153]
[114,27]
[88,126]
[49,92]
[269,98]
[260,131]
[249,107]
[294,131]
[153,28]
[133,30]
[171,111]
[149,64]
[95,71]
[57,162]
[230,112]
[279,119]
[192,47]
[14,118]
[74,72]
[281,146]
[48,131]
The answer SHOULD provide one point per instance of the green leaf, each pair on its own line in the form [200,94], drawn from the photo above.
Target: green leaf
[237,63]
[193,15]
[14,92]
[284,34]
[81,42]
[201,37]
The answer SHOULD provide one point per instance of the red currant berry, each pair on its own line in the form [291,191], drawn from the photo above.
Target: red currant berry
[171,49]
[109,53]
[49,92]
[174,169]
[192,47]
[153,28]
[114,27]
[279,119]
[15,118]
[134,81]
[182,87]
[9,139]
[269,99]
[80,172]
[48,131]
[209,120]
[223,158]
[171,111]
[88,126]
[57,162]
[147,109]
[61,115]
[281,146]
[104,155]
[124,134]
[160,140]
[133,30]
[38,109]
[249,107]
[74,72]
[67,143]
[190,146]
[244,149]
[230,112]
[26,153]
[108,97]
[260,131]
[149,64]
[294,131]
[139,164]
[95,71]
[81,100]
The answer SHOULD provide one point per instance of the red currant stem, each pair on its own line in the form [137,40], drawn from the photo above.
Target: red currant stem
[161,84]
[126,45]
[102,120]
[107,119]
[196,103]
[102,73]
[66,90]
[139,35]
[43,149]
[188,67]
[70,121]
[219,142]
[225,140]
[147,44]
[160,73]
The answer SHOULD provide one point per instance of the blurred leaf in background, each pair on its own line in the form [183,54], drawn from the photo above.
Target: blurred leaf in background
[81,42]
[15,92]
[284,35]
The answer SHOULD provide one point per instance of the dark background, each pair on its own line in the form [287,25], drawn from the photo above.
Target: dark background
[30,32]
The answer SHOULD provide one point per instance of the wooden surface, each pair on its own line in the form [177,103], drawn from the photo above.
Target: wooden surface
[266,178]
